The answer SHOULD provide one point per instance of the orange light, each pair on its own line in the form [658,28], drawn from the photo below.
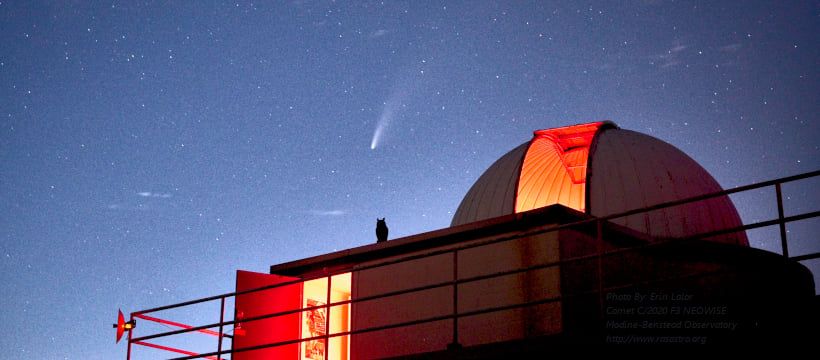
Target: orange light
[554,168]
[123,326]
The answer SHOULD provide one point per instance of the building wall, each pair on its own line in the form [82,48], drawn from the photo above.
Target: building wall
[541,319]
[765,293]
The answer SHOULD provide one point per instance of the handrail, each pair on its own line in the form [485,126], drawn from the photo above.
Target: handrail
[600,224]
[441,317]
[489,276]
[563,226]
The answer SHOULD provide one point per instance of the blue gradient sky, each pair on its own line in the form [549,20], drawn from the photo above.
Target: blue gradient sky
[150,149]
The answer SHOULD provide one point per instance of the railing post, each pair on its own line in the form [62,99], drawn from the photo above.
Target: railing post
[455,345]
[327,317]
[599,240]
[221,324]
[128,352]
[780,221]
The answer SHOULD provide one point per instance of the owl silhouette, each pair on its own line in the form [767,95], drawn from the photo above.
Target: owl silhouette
[381,230]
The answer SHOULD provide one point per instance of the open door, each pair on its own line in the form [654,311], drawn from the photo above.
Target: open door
[270,330]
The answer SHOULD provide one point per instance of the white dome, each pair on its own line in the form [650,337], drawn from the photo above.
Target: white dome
[600,169]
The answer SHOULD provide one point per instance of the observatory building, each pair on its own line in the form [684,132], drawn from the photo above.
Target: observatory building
[585,234]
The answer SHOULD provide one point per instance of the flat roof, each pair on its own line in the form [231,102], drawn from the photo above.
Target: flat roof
[340,260]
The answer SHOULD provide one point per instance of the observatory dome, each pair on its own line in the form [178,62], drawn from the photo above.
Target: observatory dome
[600,169]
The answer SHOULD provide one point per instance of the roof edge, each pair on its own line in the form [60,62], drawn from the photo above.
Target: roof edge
[345,259]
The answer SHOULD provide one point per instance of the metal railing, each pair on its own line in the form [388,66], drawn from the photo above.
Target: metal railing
[600,224]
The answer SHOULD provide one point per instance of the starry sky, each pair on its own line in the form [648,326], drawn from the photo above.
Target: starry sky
[148,150]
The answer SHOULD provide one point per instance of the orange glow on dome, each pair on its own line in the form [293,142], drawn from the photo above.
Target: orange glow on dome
[555,167]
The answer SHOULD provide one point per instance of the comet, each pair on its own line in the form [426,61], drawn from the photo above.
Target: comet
[377,135]
[406,85]
[384,120]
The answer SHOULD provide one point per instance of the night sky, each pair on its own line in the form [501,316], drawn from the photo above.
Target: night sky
[148,150]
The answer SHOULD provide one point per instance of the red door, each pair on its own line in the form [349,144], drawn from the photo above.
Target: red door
[269,330]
